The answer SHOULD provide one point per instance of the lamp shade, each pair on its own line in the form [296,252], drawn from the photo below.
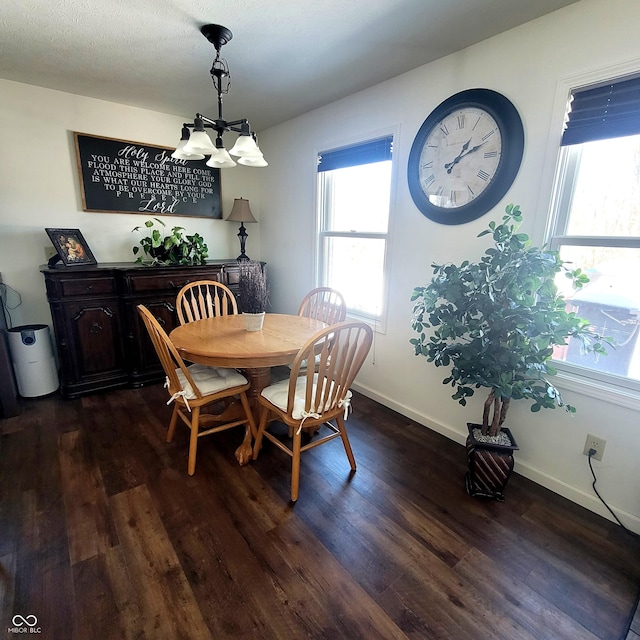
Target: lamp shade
[241,211]
[199,143]
[253,162]
[220,159]
[180,154]
[245,146]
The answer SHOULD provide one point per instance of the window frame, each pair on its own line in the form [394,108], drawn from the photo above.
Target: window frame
[323,193]
[609,387]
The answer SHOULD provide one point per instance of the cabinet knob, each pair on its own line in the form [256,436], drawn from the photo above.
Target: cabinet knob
[95,328]
[89,287]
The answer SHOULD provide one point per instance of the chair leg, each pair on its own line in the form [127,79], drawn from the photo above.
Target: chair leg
[295,465]
[172,424]
[345,442]
[264,414]
[193,441]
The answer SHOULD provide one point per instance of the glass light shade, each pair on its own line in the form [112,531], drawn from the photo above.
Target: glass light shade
[180,154]
[220,159]
[245,147]
[253,162]
[199,142]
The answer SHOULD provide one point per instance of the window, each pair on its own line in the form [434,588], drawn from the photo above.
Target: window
[596,224]
[354,193]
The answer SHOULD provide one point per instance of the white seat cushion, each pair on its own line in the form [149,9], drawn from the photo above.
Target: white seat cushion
[277,394]
[210,379]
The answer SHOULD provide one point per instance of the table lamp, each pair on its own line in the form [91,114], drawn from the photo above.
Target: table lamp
[241,213]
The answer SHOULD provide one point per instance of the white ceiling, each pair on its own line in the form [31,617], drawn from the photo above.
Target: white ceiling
[287,57]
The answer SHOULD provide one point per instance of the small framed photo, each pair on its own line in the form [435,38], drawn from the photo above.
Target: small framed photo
[71,246]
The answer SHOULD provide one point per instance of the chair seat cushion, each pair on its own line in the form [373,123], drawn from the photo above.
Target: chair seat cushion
[210,379]
[277,395]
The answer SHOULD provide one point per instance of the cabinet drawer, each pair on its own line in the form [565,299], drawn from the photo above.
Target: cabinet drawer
[87,286]
[170,282]
[232,275]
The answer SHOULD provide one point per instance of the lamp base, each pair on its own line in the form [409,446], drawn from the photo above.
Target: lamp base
[242,234]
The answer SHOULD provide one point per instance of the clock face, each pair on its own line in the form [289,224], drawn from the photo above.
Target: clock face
[465,156]
[460,157]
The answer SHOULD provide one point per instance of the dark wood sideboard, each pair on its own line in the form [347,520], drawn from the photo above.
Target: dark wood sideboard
[101,341]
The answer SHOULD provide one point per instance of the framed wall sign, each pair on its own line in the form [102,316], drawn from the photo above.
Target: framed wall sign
[71,246]
[132,177]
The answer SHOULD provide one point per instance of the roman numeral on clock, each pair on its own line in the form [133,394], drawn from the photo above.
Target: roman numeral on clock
[429,181]
[483,175]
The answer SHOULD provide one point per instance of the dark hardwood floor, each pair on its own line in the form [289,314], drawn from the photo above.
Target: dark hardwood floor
[103,535]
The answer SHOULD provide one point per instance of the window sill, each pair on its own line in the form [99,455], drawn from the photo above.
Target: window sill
[377,324]
[601,390]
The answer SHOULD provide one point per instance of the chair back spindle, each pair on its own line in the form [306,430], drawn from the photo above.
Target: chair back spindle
[324,303]
[204,299]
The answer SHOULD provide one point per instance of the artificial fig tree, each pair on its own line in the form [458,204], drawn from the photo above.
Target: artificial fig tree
[495,322]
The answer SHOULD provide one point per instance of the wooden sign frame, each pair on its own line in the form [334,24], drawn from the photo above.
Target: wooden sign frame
[121,176]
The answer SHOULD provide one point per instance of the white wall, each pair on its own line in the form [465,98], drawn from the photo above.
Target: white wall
[39,187]
[529,65]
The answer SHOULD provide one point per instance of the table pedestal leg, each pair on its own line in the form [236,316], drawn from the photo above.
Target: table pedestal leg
[259,379]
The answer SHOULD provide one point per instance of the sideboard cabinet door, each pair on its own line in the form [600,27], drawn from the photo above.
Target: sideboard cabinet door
[89,339]
[88,327]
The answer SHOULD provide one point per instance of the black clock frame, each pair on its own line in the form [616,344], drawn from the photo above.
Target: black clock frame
[502,110]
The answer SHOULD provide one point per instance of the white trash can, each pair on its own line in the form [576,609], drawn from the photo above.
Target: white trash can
[33,360]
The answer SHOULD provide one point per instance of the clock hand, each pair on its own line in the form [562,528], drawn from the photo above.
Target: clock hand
[450,165]
[465,146]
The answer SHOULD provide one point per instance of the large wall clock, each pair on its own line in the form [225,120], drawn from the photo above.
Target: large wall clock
[465,156]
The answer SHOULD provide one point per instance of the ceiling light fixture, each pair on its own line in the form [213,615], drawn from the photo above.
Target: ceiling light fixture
[196,144]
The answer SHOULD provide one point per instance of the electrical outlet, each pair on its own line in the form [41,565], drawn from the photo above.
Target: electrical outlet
[49,252]
[598,444]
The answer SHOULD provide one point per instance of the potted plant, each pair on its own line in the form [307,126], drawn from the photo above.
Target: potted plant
[253,293]
[495,324]
[173,248]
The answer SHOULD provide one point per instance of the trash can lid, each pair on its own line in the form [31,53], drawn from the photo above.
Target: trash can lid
[28,327]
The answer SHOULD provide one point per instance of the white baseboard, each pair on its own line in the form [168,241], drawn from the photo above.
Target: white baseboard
[575,494]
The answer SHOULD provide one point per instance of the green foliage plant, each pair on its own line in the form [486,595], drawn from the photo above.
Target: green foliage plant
[495,322]
[175,248]
[252,287]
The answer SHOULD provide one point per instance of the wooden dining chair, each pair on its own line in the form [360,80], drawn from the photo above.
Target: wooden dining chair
[315,399]
[204,299]
[324,303]
[196,386]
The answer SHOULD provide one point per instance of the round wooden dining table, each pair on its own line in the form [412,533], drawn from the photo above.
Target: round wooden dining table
[223,341]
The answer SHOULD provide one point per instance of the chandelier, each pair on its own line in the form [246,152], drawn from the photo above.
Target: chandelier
[196,144]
